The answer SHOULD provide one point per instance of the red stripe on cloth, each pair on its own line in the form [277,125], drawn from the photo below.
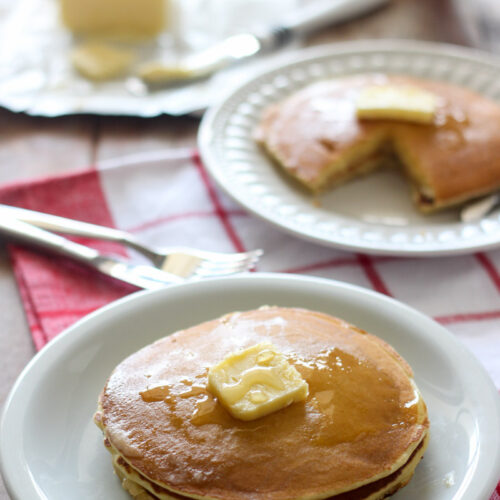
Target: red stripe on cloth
[185,215]
[490,269]
[219,209]
[339,262]
[345,261]
[49,283]
[496,493]
[372,274]
[167,219]
[68,312]
[20,186]
[38,334]
[467,317]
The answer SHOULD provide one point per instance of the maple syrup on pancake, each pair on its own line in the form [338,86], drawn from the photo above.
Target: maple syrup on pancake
[156,393]
[349,398]
[353,397]
[451,124]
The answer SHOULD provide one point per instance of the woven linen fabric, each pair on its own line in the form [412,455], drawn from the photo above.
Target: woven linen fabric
[173,201]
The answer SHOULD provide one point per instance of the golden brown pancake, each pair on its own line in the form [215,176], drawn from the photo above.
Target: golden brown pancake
[317,139]
[359,434]
[141,488]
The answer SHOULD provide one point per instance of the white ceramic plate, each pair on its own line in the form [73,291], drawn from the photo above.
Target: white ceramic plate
[50,448]
[373,214]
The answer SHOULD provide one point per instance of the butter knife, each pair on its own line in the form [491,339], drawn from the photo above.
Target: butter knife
[314,16]
[141,276]
[476,210]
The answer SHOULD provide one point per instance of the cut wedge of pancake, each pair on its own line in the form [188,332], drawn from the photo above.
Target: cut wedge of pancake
[316,137]
[359,434]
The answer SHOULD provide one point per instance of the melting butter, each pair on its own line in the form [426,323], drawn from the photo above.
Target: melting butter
[391,102]
[255,382]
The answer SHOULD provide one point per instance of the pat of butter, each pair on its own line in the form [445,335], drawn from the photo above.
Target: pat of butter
[406,103]
[255,382]
[99,61]
[157,72]
[123,18]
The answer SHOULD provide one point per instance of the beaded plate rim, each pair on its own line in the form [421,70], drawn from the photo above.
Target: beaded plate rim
[244,172]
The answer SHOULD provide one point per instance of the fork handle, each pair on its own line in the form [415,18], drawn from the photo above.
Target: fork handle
[146,277]
[75,228]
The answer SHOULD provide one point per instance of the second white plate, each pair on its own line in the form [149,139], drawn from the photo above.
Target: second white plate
[372,214]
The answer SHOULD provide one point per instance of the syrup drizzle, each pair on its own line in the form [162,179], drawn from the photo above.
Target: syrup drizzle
[451,123]
[349,398]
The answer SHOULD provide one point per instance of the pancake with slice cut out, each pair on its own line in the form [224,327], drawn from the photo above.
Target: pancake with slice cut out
[317,138]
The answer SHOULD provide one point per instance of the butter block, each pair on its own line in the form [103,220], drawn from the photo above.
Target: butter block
[405,103]
[100,61]
[255,382]
[156,72]
[123,18]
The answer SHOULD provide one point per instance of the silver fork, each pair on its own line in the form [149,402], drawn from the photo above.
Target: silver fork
[180,261]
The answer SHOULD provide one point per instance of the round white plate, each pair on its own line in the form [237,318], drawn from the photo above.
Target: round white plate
[51,449]
[373,214]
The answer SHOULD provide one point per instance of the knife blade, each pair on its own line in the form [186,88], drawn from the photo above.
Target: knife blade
[305,20]
[141,276]
[477,209]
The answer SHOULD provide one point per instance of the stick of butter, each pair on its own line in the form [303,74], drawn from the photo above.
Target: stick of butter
[123,18]
[255,382]
[387,102]
[156,72]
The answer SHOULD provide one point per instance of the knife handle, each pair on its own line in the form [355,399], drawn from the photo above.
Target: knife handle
[23,232]
[319,14]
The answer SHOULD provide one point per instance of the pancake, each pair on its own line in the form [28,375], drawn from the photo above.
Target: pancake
[315,136]
[141,488]
[359,434]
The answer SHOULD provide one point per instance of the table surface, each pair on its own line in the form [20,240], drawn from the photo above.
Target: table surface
[31,147]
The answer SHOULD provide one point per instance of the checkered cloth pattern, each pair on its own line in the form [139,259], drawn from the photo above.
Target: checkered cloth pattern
[174,202]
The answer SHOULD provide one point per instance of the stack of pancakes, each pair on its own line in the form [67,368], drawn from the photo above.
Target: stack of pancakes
[359,434]
[317,138]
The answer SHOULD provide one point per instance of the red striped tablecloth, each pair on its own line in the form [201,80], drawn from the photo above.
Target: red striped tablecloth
[172,201]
